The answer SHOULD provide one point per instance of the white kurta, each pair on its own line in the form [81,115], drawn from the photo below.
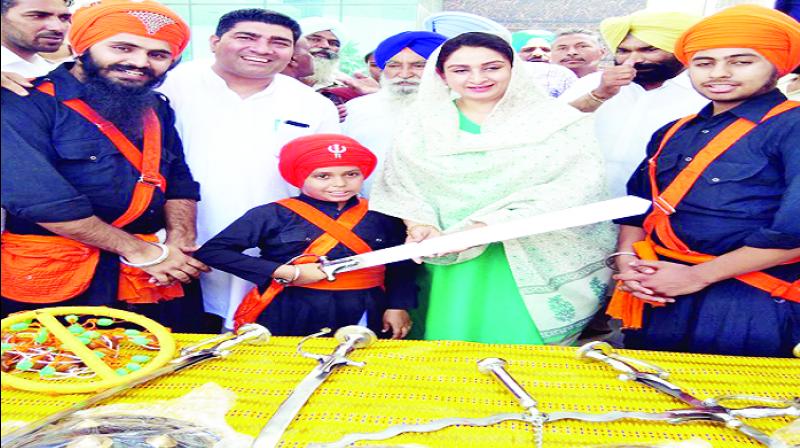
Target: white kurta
[37,66]
[626,122]
[373,121]
[232,147]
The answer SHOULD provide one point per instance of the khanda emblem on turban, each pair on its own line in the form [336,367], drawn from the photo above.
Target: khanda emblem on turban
[337,150]
[152,21]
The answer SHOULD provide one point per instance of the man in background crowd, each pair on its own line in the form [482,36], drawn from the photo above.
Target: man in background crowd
[577,50]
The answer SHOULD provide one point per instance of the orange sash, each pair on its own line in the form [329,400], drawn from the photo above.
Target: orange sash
[628,308]
[50,269]
[338,231]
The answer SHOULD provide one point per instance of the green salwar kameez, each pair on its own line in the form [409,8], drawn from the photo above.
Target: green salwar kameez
[478,300]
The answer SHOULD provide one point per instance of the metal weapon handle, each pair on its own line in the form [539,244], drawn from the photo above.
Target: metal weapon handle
[253,333]
[603,352]
[350,338]
[497,368]
[630,367]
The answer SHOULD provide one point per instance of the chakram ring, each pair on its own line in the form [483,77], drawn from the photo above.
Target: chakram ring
[107,376]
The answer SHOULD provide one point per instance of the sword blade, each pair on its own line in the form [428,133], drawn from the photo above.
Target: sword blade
[546,222]
[272,432]
[678,394]
[713,413]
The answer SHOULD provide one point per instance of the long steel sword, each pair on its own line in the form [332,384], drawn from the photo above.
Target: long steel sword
[547,222]
[350,338]
[711,409]
[532,415]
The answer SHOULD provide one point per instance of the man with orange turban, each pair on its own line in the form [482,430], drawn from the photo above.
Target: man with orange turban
[93,168]
[717,259]
[292,295]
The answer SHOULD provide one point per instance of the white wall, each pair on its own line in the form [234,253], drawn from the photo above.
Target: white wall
[701,7]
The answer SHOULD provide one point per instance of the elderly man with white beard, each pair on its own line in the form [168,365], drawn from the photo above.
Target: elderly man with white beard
[372,118]
[324,36]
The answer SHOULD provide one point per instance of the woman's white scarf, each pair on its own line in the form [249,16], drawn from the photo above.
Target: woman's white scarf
[533,155]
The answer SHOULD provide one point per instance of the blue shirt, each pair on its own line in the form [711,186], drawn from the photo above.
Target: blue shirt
[57,166]
[749,196]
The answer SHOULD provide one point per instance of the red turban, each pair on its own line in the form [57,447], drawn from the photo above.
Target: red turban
[771,33]
[301,156]
[147,18]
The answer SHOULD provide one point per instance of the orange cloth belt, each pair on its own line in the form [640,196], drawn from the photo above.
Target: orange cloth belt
[338,231]
[50,269]
[624,305]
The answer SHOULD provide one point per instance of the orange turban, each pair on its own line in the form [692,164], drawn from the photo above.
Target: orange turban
[771,33]
[147,18]
[301,156]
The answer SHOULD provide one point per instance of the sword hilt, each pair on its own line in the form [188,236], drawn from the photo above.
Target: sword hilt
[630,367]
[350,338]
[331,267]
[250,333]
[497,368]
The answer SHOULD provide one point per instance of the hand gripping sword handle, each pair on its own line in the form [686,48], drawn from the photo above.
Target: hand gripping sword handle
[497,368]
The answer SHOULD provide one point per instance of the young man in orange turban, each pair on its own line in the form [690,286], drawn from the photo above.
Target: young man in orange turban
[93,168]
[293,297]
[718,256]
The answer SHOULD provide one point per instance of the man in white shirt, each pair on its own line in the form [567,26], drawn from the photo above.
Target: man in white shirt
[30,27]
[234,114]
[534,46]
[645,90]
[372,119]
[577,50]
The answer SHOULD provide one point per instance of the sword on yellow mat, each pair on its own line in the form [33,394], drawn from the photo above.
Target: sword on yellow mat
[350,338]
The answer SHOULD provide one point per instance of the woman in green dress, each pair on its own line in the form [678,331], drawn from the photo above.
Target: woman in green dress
[482,145]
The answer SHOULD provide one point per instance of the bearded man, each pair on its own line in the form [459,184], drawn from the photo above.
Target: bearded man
[325,40]
[646,88]
[372,119]
[323,36]
[92,168]
[714,267]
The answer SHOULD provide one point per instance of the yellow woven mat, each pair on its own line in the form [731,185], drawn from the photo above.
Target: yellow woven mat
[416,381]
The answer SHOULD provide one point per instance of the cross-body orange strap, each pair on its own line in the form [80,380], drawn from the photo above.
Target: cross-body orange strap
[49,269]
[628,308]
[339,230]
[336,231]
[148,161]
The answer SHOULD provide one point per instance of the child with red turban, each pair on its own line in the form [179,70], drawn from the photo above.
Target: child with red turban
[720,248]
[293,296]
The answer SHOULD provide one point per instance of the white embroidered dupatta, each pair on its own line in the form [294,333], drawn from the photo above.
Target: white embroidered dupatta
[533,155]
